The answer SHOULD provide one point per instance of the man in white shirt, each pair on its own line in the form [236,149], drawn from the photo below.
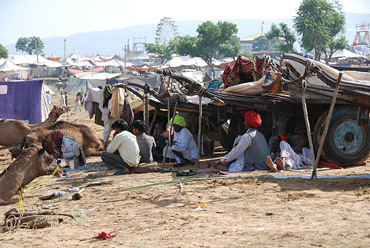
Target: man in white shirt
[123,151]
[298,158]
[252,145]
[184,148]
[72,152]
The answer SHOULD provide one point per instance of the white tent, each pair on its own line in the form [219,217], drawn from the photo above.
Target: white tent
[345,53]
[184,61]
[96,75]
[8,68]
[33,60]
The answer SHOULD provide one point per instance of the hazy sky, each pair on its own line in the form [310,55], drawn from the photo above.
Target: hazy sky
[48,18]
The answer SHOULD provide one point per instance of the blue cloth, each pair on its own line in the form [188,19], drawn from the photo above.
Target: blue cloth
[21,100]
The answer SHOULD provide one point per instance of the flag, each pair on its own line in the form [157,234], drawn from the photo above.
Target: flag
[263,22]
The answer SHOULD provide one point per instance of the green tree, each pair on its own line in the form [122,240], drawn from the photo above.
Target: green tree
[3,52]
[185,45]
[230,49]
[164,52]
[318,23]
[247,54]
[333,46]
[210,38]
[262,43]
[282,31]
[31,45]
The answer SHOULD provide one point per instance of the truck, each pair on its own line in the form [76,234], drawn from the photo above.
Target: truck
[304,84]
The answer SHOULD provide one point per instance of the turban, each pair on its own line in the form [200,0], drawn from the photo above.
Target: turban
[253,119]
[179,120]
[282,138]
[56,135]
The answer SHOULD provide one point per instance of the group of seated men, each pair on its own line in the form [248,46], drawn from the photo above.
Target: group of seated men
[250,152]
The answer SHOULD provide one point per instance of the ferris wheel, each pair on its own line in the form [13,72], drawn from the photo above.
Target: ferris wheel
[166,31]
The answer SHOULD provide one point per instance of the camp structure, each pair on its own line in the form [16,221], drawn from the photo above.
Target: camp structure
[23,100]
[7,69]
[87,80]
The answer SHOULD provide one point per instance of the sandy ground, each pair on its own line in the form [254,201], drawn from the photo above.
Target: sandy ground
[241,210]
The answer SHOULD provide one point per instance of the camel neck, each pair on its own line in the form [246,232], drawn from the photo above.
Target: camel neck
[53,117]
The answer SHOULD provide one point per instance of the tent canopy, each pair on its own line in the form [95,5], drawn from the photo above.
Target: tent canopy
[9,66]
[345,53]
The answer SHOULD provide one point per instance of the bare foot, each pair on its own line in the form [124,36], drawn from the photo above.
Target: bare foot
[280,163]
[220,166]
[271,164]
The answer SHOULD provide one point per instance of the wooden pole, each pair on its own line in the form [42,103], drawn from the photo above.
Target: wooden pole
[328,118]
[169,135]
[308,127]
[199,129]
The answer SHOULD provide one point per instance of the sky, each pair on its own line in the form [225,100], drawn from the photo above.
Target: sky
[49,18]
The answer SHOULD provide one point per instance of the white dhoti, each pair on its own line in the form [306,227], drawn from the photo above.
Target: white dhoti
[185,153]
[294,160]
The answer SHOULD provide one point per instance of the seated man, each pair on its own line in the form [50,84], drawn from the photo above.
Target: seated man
[123,151]
[252,146]
[146,142]
[184,148]
[72,152]
[297,158]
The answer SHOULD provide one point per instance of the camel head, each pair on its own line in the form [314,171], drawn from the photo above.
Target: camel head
[56,112]
[40,161]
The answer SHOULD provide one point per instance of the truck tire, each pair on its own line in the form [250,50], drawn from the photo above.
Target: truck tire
[346,144]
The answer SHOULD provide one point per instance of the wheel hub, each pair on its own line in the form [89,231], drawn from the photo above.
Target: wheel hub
[349,138]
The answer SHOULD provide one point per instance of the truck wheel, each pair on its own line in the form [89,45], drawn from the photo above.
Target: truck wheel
[346,144]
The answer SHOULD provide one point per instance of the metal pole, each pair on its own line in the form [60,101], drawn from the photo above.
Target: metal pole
[199,129]
[328,118]
[65,48]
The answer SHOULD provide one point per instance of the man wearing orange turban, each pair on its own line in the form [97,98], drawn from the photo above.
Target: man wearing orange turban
[251,149]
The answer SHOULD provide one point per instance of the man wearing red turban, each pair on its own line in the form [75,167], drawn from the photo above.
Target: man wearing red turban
[72,152]
[251,149]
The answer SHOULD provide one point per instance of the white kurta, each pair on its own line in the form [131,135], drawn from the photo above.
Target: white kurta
[184,142]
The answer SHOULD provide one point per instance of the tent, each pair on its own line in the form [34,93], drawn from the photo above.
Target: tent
[361,50]
[8,68]
[185,61]
[23,100]
[345,53]
[87,80]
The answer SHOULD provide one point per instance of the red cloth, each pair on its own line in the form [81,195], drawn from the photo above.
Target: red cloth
[56,135]
[104,235]
[239,73]
[253,119]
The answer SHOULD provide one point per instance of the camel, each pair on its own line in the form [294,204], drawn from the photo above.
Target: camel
[32,163]
[13,131]
[82,134]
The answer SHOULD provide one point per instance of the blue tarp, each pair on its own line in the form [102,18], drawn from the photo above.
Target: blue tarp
[21,100]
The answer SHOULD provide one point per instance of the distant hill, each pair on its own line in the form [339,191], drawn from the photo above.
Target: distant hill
[109,42]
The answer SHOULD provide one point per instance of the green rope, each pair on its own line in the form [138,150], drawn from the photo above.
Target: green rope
[153,185]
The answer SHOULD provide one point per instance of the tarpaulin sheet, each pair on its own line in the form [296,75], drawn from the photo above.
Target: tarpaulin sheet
[21,100]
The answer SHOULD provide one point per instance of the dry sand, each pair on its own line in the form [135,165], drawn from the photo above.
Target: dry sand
[243,210]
